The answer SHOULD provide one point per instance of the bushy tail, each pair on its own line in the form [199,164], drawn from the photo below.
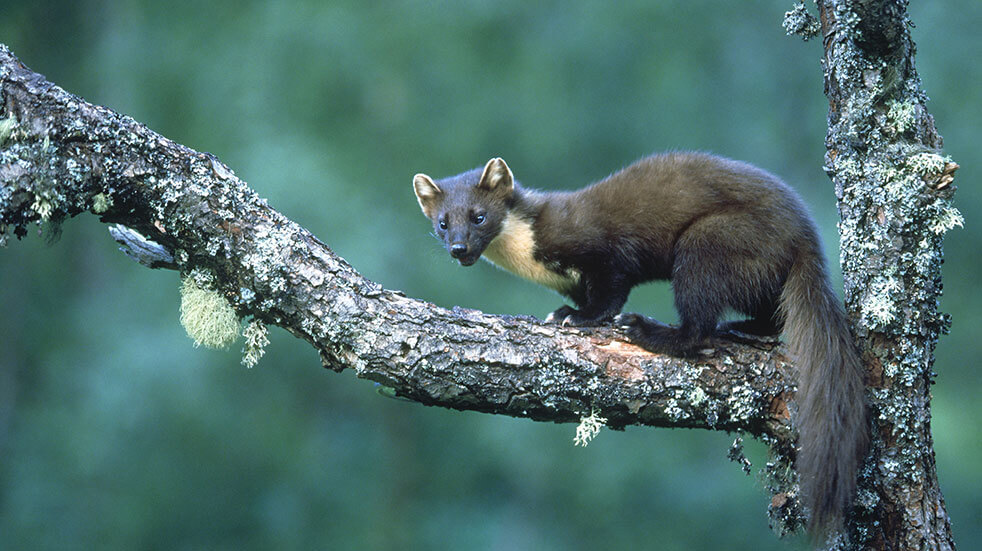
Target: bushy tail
[832,421]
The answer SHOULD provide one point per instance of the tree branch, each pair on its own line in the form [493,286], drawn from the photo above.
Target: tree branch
[62,156]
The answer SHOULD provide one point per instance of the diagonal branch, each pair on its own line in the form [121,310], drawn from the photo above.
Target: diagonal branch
[61,157]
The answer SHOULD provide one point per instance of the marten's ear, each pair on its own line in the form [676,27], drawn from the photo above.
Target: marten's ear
[427,193]
[496,176]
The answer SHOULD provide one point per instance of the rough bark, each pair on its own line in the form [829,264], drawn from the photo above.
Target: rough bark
[894,196]
[61,156]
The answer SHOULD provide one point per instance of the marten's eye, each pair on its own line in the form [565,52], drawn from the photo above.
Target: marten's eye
[479,219]
[443,224]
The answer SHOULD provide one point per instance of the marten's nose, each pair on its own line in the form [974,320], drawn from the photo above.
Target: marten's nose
[458,250]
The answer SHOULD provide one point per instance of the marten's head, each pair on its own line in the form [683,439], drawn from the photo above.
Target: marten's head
[467,210]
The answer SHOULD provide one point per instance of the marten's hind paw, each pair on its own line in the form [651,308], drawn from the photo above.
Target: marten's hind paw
[656,336]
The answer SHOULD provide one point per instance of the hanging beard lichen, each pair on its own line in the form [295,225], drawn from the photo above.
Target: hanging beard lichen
[589,427]
[256,338]
[206,316]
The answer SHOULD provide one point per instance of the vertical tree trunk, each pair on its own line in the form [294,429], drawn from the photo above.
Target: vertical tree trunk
[892,183]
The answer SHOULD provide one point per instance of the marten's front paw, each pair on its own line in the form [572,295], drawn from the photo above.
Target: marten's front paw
[560,315]
[578,320]
[568,316]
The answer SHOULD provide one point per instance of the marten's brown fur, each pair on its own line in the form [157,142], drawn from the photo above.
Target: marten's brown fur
[727,234]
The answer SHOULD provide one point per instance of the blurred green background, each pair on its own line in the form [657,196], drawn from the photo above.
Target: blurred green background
[116,433]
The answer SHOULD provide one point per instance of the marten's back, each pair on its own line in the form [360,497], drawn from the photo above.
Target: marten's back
[675,188]
[641,211]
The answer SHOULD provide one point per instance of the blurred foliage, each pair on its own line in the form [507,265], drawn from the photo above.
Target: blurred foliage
[116,433]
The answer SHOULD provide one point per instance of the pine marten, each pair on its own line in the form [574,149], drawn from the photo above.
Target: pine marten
[727,234]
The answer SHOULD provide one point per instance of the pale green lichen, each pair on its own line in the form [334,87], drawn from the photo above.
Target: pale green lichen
[878,309]
[927,163]
[742,402]
[698,396]
[101,203]
[850,170]
[949,218]
[256,339]
[44,205]
[798,21]
[7,127]
[898,183]
[206,315]
[879,306]
[673,411]
[858,125]
[589,428]
[735,454]
[901,115]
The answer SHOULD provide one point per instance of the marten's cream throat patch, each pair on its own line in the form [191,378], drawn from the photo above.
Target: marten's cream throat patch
[512,250]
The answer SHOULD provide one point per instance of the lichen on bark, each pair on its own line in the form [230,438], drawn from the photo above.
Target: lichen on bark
[895,202]
[184,210]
